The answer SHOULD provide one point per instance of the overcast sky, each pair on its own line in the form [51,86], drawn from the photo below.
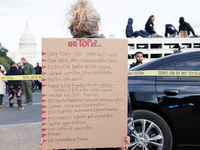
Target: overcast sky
[46,18]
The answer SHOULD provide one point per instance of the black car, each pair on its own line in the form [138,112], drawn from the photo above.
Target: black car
[166,109]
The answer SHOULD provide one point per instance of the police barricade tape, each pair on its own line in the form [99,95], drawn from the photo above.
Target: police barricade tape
[167,73]
[21,77]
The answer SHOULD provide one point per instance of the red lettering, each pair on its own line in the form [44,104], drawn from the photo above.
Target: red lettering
[92,44]
[95,43]
[84,43]
[70,44]
[80,41]
[88,42]
[75,43]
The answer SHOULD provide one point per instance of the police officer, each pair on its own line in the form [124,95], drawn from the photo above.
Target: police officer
[139,59]
[27,69]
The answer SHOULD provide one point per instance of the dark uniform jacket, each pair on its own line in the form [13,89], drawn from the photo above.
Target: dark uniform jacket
[38,70]
[14,71]
[149,27]
[133,64]
[169,28]
[186,27]
[129,28]
[27,69]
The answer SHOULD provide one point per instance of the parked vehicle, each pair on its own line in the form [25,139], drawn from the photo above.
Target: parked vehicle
[166,109]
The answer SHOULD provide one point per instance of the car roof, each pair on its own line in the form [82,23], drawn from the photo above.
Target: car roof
[167,59]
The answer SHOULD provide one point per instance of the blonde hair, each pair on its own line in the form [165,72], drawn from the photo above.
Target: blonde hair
[83,19]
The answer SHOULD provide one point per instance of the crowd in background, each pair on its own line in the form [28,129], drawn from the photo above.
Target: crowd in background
[183,31]
[15,87]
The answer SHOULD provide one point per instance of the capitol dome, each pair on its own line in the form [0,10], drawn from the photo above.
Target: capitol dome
[27,48]
[27,41]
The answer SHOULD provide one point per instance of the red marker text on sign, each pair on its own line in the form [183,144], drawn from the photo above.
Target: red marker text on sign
[83,43]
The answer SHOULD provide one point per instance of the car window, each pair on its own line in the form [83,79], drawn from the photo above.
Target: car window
[189,64]
[169,67]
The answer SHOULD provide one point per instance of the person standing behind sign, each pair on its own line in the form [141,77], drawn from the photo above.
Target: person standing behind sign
[84,20]
[14,87]
[27,69]
[2,89]
[82,27]
[84,23]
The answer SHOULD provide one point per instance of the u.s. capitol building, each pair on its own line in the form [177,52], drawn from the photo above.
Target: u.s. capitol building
[27,49]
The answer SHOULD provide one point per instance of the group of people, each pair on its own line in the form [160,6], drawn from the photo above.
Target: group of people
[15,86]
[150,31]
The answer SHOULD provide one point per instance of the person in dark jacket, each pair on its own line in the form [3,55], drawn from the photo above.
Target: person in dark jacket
[184,26]
[171,30]
[38,70]
[139,59]
[15,87]
[131,34]
[150,28]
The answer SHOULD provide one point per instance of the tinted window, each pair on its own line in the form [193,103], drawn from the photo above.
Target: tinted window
[169,67]
[190,64]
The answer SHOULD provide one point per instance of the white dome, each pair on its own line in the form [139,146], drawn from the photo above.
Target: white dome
[27,41]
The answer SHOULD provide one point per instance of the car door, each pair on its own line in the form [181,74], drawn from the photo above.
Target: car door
[180,96]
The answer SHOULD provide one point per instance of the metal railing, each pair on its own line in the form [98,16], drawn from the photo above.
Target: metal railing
[154,48]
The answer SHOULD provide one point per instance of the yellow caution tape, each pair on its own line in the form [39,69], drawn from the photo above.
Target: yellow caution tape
[167,73]
[21,77]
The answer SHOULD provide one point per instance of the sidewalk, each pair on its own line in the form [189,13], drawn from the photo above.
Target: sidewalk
[20,136]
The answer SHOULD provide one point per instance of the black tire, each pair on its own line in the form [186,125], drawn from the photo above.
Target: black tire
[160,132]
[34,86]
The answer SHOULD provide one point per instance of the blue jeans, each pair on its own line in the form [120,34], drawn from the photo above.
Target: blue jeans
[171,36]
[140,33]
[155,35]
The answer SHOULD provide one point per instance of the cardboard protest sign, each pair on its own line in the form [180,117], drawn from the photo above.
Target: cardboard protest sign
[84,93]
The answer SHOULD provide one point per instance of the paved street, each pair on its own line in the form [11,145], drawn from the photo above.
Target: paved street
[21,130]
